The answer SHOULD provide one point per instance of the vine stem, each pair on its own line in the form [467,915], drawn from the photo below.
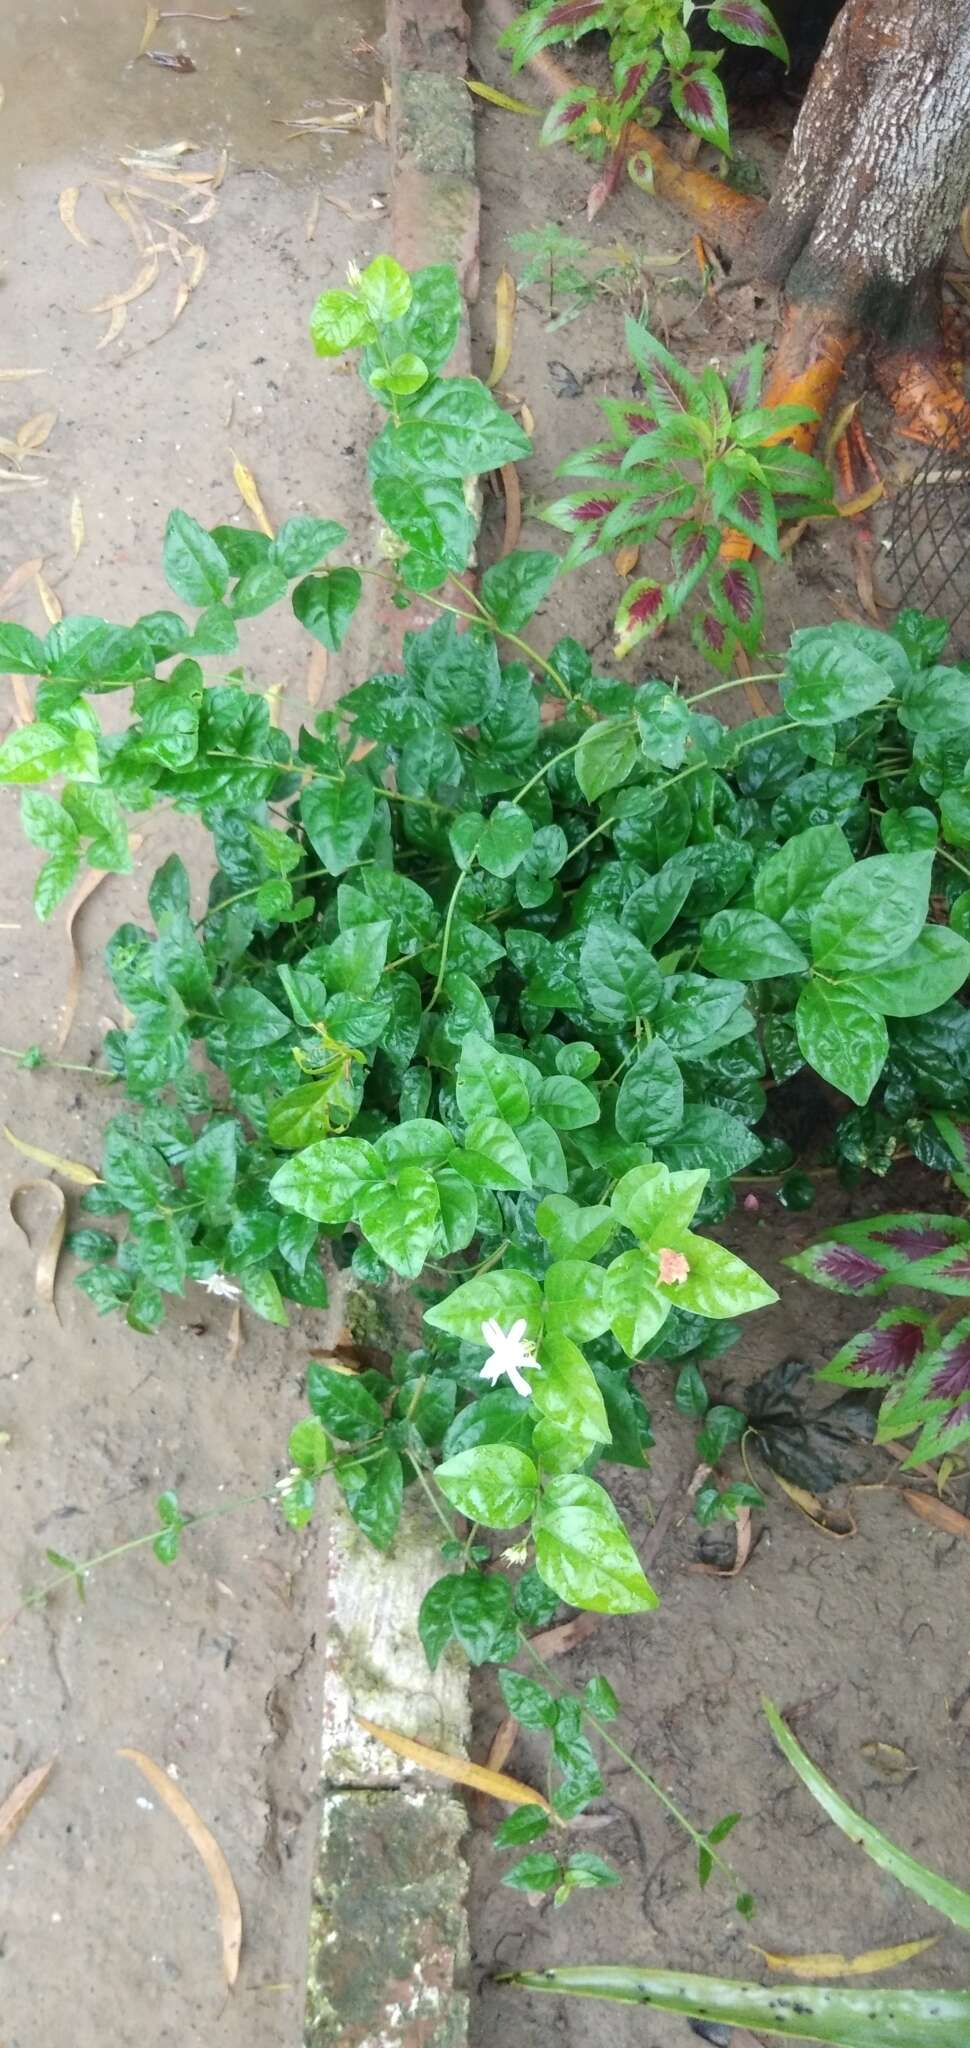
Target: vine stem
[482,616]
[9,1052]
[430,1497]
[446,935]
[699,1839]
[735,683]
[39,1594]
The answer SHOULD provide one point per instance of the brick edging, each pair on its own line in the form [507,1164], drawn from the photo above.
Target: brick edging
[388,1925]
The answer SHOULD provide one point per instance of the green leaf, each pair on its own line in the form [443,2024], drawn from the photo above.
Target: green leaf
[690,1393]
[793,880]
[21,653]
[503,1295]
[606,755]
[566,1395]
[434,519]
[514,588]
[566,1104]
[841,1037]
[339,321]
[262,585]
[621,978]
[807,2012]
[946,1898]
[505,840]
[698,97]
[404,375]
[749,21]
[35,753]
[210,1169]
[637,1309]
[475,1611]
[932,969]
[385,289]
[583,1551]
[195,566]
[722,1426]
[489,1083]
[748,944]
[309,1447]
[601,1699]
[326,1180]
[261,1291]
[838,671]
[302,542]
[650,1104]
[401,1220]
[663,722]
[531,1704]
[355,961]
[573,1232]
[345,1408]
[494,1156]
[712,1138]
[693,1011]
[337,817]
[453,428]
[872,913]
[374,1494]
[651,1200]
[431,322]
[536,1873]
[326,604]
[494,1484]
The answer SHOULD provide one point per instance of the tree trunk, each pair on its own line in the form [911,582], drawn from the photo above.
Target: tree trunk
[879,166]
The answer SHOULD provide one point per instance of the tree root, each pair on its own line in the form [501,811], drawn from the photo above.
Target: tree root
[929,405]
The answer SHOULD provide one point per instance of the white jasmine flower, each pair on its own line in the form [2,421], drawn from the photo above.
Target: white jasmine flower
[218,1284]
[516,1553]
[510,1352]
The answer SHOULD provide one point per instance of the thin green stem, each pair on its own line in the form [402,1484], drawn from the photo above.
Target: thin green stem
[590,836]
[10,1052]
[735,683]
[553,762]
[945,854]
[446,935]
[431,1497]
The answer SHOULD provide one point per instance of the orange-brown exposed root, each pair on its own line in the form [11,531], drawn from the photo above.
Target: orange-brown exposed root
[928,405]
[805,370]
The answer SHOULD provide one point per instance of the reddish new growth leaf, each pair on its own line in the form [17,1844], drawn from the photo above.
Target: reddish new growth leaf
[952,1382]
[917,1241]
[646,606]
[591,510]
[631,84]
[739,593]
[714,632]
[571,12]
[748,504]
[698,99]
[887,1351]
[640,423]
[849,1268]
[574,112]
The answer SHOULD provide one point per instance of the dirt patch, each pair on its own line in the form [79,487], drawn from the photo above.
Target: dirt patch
[108,1929]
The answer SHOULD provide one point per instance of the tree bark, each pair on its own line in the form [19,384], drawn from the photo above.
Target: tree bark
[879,166]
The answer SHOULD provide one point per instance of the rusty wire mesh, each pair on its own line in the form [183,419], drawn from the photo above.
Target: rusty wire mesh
[930,536]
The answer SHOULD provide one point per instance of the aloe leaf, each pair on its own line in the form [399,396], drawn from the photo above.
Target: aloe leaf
[797,2012]
[935,1890]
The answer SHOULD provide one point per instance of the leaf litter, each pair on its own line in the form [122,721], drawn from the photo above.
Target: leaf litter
[18,1803]
[207,1848]
[194,198]
[49,1251]
[456,1768]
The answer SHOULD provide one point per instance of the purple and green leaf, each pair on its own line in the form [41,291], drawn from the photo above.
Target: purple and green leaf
[749,21]
[880,1356]
[736,597]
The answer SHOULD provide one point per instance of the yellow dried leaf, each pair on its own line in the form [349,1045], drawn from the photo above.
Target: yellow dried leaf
[625,560]
[162,176]
[67,207]
[14,376]
[504,324]
[316,674]
[456,1768]
[220,170]
[310,224]
[854,506]
[204,1842]
[35,432]
[843,418]
[71,1169]
[53,608]
[137,228]
[500,99]
[77,525]
[829,1964]
[142,283]
[248,489]
[889,1760]
[152,19]
[18,1803]
[834,1522]
[50,1250]
[114,327]
[92,881]
[23,700]
[528,418]
[10,451]
[948,1519]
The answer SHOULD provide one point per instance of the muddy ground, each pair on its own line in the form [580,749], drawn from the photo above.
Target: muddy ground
[107,1929]
[105,1913]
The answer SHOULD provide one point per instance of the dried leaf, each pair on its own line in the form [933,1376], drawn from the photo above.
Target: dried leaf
[204,1842]
[10,451]
[942,1517]
[326,124]
[18,1803]
[171,60]
[742,1552]
[23,700]
[354,213]
[316,674]
[499,1750]
[843,417]
[504,327]
[625,560]
[35,432]
[509,477]
[14,376]
[92,881]
[379,113]
[528,418]
[137,228]
[234,1335]
[50,1251]
[310,224]
[71,1169]
[53,608]
[152,19]
[500,99]
[827,1964]
[248,489]
[142,283]
[554,1642]
[888,1759]
[862,503]
[965,228]
[862,561]
[161,175]
[67,207]
[77,525]
[455,1767]
[18,577]
[189,14]
[114,327]
[835,1522]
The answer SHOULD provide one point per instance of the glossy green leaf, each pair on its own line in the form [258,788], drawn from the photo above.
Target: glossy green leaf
[750,945]
[494,1484]
[872,913]
[583,1551]
[843,1038]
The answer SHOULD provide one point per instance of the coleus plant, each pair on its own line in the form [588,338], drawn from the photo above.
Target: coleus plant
[652,59]
[692,462]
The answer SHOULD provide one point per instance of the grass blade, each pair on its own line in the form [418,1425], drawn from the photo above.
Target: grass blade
[803,2012]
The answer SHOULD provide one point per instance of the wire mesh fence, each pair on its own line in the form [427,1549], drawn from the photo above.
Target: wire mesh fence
[930,537]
